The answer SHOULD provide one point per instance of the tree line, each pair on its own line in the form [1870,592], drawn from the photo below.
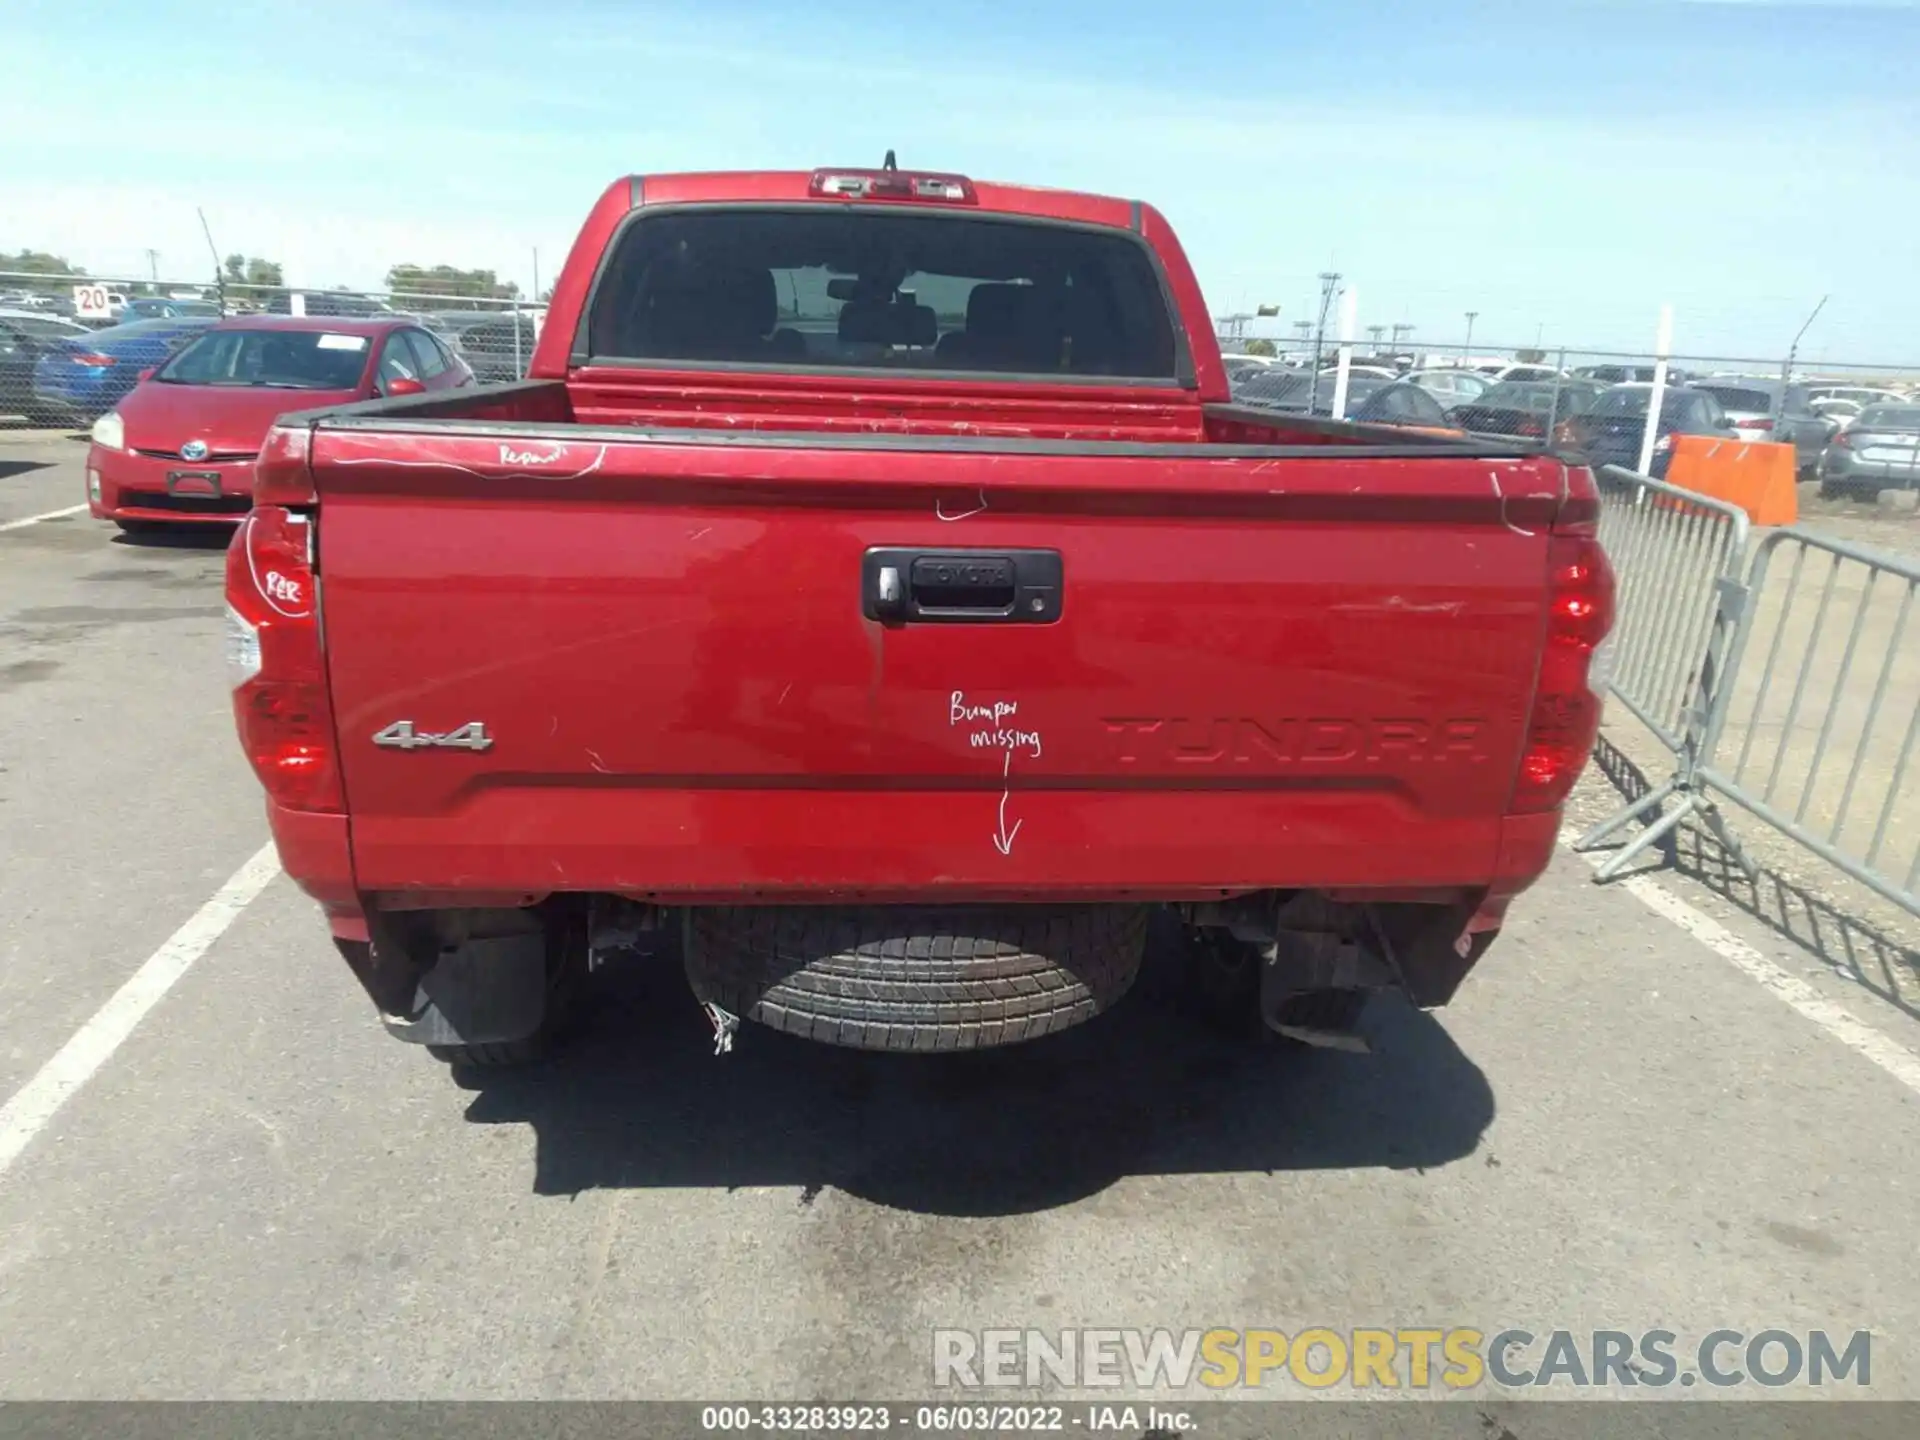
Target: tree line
[429,286]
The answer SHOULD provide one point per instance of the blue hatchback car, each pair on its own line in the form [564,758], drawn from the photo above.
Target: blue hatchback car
[83,378]
[152,308]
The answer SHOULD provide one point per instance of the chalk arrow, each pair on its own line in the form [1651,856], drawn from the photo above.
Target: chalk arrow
[1003,837]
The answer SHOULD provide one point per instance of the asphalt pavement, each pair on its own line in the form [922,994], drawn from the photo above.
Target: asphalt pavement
[1624,1122]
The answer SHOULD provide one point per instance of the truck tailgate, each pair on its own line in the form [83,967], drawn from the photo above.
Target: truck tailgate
[1268,669]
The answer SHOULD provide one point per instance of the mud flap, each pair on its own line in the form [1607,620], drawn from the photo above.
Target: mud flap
[1327,971]
[483,992]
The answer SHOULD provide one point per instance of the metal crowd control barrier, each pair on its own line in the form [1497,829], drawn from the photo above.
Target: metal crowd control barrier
[1676,558]
[1790,741]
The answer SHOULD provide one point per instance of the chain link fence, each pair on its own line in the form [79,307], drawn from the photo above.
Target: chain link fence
[1602,402]
[1783,680]
[1495,362]
[106,325]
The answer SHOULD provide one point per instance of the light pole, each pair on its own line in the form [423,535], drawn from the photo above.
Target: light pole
[1472,315]
[1786,370]
[219,275]
[1794,349]
[1329,280]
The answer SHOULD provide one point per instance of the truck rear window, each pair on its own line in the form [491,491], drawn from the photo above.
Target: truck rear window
[841,287]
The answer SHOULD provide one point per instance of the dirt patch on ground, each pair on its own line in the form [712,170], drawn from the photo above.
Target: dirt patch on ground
[1878,527]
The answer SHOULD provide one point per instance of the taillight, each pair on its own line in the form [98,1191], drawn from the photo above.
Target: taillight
[89,358]
[1566,709]
[1531,427]
[283,475]
[274,660]
[1843,440]
[1763,423]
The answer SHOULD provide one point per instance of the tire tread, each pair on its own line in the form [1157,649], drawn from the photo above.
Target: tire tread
[917,979]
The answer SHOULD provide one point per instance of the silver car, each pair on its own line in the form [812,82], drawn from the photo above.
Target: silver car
[1452,387]
[1879,451]
[1762,409]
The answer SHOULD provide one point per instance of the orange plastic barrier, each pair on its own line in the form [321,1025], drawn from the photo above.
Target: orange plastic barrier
[1757,477]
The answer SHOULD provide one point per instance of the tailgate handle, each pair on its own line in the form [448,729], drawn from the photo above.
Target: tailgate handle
[903,586]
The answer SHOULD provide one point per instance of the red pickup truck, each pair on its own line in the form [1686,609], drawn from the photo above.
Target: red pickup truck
[874,589]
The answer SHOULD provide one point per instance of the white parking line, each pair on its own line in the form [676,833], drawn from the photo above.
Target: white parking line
[56,1082]
[1838,1021]
[36,519]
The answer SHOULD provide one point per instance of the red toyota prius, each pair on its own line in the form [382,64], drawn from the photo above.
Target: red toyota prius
[180,447]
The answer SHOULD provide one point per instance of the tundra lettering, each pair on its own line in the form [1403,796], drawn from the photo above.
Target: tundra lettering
[1243,740]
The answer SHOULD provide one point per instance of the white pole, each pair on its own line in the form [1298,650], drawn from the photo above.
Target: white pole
[1349,312]
[1662,348]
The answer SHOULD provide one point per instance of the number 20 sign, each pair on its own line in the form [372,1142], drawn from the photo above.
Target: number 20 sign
[91,302]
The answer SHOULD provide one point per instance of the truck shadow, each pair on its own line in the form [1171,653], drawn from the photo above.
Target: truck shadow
[1876,960]
[179,537]
[640,1100]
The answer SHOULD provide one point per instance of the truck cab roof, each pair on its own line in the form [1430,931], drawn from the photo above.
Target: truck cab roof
[717,187]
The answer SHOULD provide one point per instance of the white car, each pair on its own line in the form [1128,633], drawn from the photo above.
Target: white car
[1452,387]
[1860,396]
[1239,367]
[1528,372]
[1841,411]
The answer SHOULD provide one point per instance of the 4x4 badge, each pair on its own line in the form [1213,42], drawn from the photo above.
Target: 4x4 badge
[402,736]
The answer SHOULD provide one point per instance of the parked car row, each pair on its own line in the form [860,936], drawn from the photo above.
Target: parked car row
[77,379]
[24,336]
[1612,430]
[487,340]
[1852,438]
[121,307]
[1370,399]
[179,443]
[57,371]
[1769,410]
[1531,409]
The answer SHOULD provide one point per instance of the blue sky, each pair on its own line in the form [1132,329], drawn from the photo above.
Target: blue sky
[1561,168]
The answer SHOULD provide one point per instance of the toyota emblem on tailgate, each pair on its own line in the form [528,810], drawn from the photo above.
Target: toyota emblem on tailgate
[194,450]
